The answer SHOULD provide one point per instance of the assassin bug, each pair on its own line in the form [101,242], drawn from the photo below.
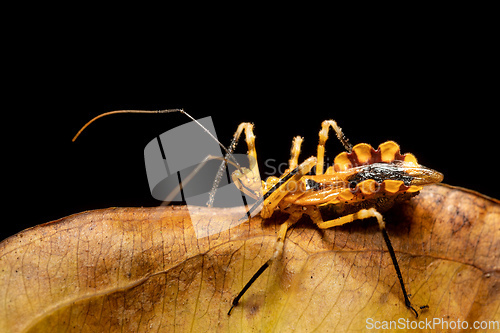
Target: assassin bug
[362,183]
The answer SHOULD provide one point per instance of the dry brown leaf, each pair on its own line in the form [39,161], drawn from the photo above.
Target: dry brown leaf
[142,269]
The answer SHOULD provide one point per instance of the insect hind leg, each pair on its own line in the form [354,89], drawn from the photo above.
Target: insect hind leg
[364,214]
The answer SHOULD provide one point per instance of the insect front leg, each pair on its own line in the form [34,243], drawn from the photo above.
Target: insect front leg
[269,201]
[247,180]
[278,251]
[364,214]
[168,199]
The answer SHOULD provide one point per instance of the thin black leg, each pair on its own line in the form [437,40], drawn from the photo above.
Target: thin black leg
[398,272]
[249,283]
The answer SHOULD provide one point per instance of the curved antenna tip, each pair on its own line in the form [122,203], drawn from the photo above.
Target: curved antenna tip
[122,111]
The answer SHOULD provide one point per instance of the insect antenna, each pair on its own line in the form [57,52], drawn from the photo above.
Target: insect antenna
[229,155]
[121,111]
[229,158]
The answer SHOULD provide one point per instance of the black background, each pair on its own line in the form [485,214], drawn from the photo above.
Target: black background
[434,97]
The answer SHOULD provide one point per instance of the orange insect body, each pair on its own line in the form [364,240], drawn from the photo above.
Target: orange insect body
[362,178]
[362,183]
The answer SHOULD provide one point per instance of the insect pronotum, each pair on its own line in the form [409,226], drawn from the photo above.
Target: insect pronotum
[362,183]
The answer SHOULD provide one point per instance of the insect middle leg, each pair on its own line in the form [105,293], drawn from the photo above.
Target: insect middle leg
[278,251]
[292,163]
[269,201]
[364,214]
[295,152]
[323,136]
